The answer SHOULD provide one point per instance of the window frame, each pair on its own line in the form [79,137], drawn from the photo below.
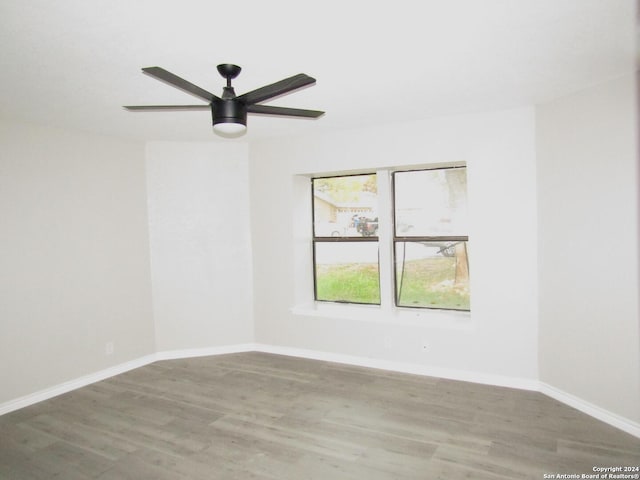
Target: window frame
[386,239]
[395,239]
[339,239]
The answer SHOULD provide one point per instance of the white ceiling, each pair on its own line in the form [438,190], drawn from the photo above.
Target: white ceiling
[74,63]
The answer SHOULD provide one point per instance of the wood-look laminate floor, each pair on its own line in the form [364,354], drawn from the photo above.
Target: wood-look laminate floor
[262,416]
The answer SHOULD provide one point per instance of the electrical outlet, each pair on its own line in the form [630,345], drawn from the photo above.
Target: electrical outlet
[108,348]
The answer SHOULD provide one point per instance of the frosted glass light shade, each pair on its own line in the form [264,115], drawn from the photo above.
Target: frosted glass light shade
[228,129]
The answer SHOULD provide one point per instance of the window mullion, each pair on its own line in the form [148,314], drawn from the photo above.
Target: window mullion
[385,236]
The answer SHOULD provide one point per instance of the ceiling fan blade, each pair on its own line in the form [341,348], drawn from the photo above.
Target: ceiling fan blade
[140,108]
[288,112]
[275,89]
[181,83]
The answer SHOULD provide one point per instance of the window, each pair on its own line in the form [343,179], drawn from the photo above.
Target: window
[430,238]
[427,231]
[345,239]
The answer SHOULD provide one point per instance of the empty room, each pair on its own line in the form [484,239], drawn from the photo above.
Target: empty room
[290,240]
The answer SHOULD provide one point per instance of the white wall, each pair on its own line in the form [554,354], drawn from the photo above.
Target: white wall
[499,338]
[198,196]
[588,241]
[74,257]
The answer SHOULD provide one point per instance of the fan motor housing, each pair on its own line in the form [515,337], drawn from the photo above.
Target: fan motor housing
[228,111]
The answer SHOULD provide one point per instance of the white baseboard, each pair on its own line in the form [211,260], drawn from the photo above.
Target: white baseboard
[599,413]
[85,380]
[592,410]
[70,385]
[416,369]
[602,414]
[205,352]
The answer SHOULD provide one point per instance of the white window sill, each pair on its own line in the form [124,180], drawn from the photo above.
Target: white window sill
[448,319]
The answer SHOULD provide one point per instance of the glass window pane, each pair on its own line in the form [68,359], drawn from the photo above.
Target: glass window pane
[345,206]
[432,274]
[347,272]
[431,203]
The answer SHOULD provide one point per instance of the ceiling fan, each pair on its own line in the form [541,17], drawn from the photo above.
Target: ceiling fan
[229,111]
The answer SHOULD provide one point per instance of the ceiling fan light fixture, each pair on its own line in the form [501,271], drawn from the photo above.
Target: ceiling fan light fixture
[229,118]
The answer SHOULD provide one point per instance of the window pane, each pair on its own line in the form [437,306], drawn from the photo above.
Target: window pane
[347,272]
[431,203]
[432,274]
[345,206]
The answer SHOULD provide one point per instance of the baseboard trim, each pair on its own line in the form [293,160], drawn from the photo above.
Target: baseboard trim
[54,391]
[74,384]
[599,413]
[613,419]
[416,369]
[205,352]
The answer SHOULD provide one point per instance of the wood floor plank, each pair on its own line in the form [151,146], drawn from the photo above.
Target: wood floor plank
[80,436]
[271,417]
